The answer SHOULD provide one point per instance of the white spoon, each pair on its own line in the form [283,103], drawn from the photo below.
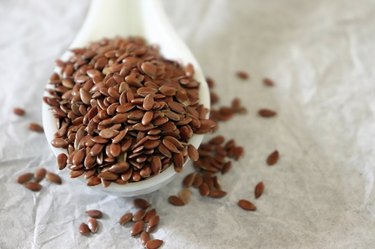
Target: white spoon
[110,18]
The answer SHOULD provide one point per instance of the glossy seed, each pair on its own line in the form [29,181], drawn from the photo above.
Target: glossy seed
[139,215]
[258,191]
[193,152]
[84,229]
[40,174]
[148,102]
[175,200]
[217,193]
[204,189]
[108,133]
[273,158]
[93,225]
[94,213]
[153,223]
[126,218]
[54,178]
[154,244]
[62,160]
[149,214]
[145,237]
[137,228]
[141,203]
[24,178]
[33,186]
[246,205]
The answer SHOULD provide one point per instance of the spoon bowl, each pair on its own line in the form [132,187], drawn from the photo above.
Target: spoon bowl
[146,18]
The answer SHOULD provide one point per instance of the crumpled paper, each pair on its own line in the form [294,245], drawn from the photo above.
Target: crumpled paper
[320,194]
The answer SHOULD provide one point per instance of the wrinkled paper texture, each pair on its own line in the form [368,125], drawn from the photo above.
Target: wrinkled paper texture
[320,194]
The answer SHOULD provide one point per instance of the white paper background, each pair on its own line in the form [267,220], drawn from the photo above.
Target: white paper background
[320,195]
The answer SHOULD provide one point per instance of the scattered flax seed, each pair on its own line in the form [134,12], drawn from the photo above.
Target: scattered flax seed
[36,127]
[242,75]
[258,191]
[266,113]
[268,82]
[19,111]
[246,205]
[273,158]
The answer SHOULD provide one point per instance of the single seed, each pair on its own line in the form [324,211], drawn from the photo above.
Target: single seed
[266,113]
[141,203]
[175,200]
[154,244]
[19,111]
[268,82]
[242,75]
[94,213]
[258,191]
[153,223]
[137,228]
[188,180]
[25,178]
[145,237]
[193,153]
[273,158]
[54,178]
[217,193]
[246,205]
[149,214]
[40,174]
[126,218]
[33,186]
[139,215]
[93,225]
[204,189]
[61,161]
[84,229]
[36,127]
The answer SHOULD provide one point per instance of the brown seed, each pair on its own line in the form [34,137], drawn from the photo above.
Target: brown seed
[204,190]
[40,174]
[93,225]
[115,149]
[154,244]
[170,146]
[258,191]
[33,186]
[149,214]
[145,237]
[188,180]
[148,102]
[273,158]
[198,180]
[175,200]
[217,193]
[93,181]
[153,223]
[119,168]
[139,215]
[141,203]
[94,213]
[218,140]
[25,178]
[19,111]
[108,133]
[59,143]
[246,205]
[109,176]
[147,117]
[242,75]
[185,195]
[268,82]
[61,161]
[266,113]
[36,127]
[126,218]
[137,228]
[78,157]
[84,229]
[54,178]
[76,173]
[193,153]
